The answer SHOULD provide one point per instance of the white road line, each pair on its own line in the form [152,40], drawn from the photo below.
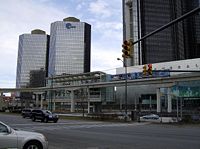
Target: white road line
[87,126]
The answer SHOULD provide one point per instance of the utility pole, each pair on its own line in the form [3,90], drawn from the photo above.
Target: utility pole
[51,95]
[126,108]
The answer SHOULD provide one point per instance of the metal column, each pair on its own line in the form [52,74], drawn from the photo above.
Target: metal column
[158,100]
[169,100]
[72,102]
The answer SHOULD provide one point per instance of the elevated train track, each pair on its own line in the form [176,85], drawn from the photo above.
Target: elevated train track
[158,82]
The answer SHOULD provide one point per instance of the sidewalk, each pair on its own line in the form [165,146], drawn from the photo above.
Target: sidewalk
[72,114]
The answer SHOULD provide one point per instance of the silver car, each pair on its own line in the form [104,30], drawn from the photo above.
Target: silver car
[10,138]
[151,116]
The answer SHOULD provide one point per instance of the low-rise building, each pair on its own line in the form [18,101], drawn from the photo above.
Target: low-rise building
[81,95]
[163,99]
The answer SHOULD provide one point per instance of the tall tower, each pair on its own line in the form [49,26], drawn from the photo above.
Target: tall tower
[70,43]
[32,56]
[178,42]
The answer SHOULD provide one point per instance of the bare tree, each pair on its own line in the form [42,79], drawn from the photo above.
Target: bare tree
[83,95]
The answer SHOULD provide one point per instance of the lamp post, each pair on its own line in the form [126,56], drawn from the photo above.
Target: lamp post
[126,116]
[51,95]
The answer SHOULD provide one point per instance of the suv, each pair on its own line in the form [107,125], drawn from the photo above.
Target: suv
[44,116]
[26,113]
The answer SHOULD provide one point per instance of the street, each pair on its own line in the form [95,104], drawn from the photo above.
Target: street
[80,134]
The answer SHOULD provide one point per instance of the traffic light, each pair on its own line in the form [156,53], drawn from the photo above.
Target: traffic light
[126,49]
[144,72]
[150,69]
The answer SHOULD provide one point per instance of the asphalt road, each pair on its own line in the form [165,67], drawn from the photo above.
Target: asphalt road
[72,134]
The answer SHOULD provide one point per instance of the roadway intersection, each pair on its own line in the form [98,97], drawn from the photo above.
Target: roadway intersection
[81,134]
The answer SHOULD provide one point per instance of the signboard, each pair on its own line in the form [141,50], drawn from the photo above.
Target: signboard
[69,26]
[190,89]
[139,75]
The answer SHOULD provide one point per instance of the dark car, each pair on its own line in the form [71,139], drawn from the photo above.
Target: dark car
[26,113]
[44,116]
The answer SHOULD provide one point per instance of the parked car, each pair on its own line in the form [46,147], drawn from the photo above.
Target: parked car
[26,113]
[10,138]
[151,116]
[44,116]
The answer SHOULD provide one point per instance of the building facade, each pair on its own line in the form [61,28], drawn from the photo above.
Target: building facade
[70,44]
[32,55]
[177,42]
[81,97]
[160,97]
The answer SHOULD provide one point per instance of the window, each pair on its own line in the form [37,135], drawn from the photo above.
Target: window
[3,128]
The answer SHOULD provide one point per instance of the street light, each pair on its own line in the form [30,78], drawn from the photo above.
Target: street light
[126,116]
[51,92]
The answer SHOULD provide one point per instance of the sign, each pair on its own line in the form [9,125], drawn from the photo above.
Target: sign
[187,89]
[139,75]
[69,26]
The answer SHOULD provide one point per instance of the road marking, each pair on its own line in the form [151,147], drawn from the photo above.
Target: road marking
[37,123]
[76,126]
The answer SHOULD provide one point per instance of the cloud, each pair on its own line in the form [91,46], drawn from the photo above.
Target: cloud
[105,60]
[100,8]
[108,25]
[109,30]
[19,17]
[22,16]
[80,5]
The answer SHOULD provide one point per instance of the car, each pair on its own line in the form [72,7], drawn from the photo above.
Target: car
[151,116]
[11,138]
[44,116]
[26,113]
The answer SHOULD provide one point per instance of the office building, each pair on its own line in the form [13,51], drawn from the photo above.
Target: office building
[70,43]
[177,42]
[32,56]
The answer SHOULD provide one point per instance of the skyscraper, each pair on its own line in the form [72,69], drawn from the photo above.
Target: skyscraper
[32,55]
[70,43]
[178,42]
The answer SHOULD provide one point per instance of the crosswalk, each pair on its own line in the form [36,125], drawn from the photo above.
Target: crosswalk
[67,126]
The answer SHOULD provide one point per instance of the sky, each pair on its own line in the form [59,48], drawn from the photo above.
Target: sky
[21,16]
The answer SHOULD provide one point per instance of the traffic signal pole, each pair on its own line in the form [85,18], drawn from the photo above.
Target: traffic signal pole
[126,112]
[126,92]
[126,46]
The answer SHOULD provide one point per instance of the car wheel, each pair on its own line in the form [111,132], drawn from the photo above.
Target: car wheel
[23,116]
[33,118]
[55,121]
[33,145]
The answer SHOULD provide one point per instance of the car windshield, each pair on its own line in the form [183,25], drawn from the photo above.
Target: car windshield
[47,111]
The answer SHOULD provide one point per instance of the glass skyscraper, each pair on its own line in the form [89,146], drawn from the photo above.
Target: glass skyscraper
[32,56]
[177,42]
[70,43]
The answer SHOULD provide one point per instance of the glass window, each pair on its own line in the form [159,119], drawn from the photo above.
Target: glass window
[3,128]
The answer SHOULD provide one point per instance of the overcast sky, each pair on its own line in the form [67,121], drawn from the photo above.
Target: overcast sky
[21,16]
